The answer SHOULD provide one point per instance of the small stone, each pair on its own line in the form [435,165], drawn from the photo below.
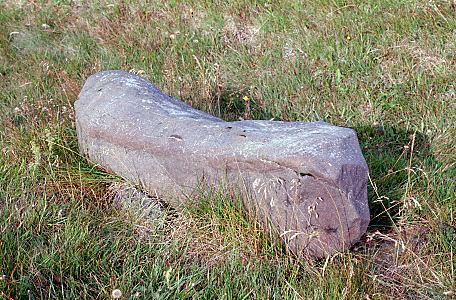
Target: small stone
[309,180]
[129,197]
[116,294]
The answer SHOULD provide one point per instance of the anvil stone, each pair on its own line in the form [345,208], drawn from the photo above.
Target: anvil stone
[309,180]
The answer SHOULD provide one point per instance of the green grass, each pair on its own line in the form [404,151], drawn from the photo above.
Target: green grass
[385,68]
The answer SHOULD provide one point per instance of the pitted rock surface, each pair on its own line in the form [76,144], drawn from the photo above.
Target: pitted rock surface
[309,180]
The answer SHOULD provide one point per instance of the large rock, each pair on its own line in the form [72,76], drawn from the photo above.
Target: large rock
[308,179]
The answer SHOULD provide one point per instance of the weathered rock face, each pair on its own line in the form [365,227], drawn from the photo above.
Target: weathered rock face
[308,179]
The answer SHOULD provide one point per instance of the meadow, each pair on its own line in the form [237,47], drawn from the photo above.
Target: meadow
[384,68]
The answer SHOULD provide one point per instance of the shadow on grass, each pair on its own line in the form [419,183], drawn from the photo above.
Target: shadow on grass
[392,154]
[231,106]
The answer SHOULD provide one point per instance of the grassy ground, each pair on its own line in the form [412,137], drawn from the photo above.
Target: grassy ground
[385,68]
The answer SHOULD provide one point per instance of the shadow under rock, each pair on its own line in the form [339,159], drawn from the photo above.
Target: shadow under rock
[387,151]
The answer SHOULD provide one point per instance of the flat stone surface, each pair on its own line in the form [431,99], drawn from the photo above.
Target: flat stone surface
[308,179]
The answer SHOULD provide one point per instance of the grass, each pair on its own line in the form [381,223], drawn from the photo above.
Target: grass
[385,68]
